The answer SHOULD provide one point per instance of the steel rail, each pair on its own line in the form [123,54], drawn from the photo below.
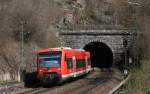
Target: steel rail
[119,85]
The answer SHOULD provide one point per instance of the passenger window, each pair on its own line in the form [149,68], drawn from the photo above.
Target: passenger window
[69,63]
[80,63]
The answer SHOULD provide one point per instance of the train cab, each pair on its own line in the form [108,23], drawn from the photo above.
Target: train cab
[58,64]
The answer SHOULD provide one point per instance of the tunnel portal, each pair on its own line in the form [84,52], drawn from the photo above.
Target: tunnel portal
[101,54]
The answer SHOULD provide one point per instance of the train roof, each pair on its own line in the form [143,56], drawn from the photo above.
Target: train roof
[57,49]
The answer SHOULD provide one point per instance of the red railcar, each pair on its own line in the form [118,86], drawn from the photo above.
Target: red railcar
[58,64]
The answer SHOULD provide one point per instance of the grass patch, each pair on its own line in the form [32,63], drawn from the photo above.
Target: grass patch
[139,82]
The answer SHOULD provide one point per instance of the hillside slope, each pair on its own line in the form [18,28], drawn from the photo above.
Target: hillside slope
[40,19]
[27,21]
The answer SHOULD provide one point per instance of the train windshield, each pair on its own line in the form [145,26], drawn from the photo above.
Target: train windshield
[50,59]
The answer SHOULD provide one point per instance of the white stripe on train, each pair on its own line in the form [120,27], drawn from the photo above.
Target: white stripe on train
[75,74]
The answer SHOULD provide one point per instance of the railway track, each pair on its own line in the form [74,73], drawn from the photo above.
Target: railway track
[36,90]
[31,91]
[85,90]
[95,83]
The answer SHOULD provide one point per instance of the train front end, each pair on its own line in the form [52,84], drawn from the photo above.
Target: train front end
[49,66]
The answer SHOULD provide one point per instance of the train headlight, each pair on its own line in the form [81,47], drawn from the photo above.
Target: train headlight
[41,70]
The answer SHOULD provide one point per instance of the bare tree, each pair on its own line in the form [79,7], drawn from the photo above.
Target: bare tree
[32,17]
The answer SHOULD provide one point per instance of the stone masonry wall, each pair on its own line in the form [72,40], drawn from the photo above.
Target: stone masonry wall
[117,40]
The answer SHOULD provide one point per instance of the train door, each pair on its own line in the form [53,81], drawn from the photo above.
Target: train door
[86,64]
[74,66]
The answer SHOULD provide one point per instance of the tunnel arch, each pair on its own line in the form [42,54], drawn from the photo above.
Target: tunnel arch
[101,54]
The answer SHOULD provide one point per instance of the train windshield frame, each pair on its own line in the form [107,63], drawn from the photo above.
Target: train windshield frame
[50,59]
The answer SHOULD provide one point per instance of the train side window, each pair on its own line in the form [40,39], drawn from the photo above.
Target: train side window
[77,63]
[84,63]
[69,63]
[80,63]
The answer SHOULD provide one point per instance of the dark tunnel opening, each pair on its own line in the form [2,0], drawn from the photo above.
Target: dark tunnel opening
[101,54]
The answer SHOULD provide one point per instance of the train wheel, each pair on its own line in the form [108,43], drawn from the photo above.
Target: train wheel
[30,79]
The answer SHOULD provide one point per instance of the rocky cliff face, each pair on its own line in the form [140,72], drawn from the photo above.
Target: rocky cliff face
[96,14]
